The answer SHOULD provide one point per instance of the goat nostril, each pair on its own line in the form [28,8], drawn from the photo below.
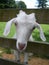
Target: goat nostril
[21,46]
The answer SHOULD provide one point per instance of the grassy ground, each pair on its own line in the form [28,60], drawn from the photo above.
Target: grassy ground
[35,32]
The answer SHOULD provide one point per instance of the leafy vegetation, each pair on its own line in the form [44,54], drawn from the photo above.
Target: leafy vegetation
[42,3]
[11,4]
[7,4]
[21,4]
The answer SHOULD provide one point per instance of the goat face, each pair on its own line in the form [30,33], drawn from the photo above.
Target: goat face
[24,24]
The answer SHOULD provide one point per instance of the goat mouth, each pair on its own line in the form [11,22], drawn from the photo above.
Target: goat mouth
[21,46]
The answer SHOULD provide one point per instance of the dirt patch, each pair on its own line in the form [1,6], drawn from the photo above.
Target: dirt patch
[38,61]
[32,61]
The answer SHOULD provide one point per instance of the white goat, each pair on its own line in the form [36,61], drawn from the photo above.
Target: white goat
[24,23]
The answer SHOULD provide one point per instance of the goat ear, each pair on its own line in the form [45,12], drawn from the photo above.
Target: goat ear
[7,28]
[41,32]
[42,36]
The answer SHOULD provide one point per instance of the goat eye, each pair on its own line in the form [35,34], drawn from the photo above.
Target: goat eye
[15,24]
[33,28]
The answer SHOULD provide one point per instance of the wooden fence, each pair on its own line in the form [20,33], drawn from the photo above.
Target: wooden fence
[38,48]
[42,15]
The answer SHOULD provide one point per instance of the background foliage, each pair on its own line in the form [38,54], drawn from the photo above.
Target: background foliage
[11,4]
[42,3]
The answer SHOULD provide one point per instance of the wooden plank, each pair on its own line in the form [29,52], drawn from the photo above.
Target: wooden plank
[7,43]
[7,62]
[42,15]
[38,48]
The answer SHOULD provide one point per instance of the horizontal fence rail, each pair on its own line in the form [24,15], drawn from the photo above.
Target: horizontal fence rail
[42,15]
[8,62]
[37,48]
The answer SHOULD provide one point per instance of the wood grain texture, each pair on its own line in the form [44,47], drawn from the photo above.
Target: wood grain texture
[42,15]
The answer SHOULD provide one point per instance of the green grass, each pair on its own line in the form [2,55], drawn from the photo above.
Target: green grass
[35,32]
[45,30]
[2,26]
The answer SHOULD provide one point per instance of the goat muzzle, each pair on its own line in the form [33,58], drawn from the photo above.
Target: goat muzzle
[21,46]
